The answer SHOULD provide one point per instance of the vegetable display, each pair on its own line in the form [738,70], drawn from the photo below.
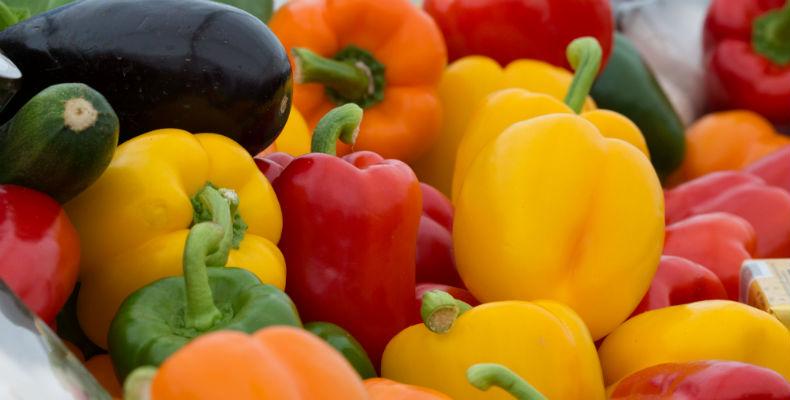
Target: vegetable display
[199,205]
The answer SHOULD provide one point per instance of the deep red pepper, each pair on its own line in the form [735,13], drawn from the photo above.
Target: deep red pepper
[719,242]
[39,250]
[720,380]
[747,56]
[765,207]
[774,168]
[435,260]
[680,281]
[349,236]
[508,30]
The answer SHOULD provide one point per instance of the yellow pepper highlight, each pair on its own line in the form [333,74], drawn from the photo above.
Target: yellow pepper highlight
[705,330]
[544,342]
[552,209]
[464,84]
[134,220]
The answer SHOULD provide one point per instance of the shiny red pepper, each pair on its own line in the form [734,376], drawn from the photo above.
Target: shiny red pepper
[39,250]
[435,260]
[774,168]
[508,30]
[747,50]
[720,380]
[719,242]
[349,235]
[765,207]
[680,281]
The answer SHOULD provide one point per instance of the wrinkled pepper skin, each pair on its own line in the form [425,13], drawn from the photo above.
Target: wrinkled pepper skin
[283,363]
[349,239]
[385,389]
[464,84]
[727,140]
[773,168]
[680,281]
[505,30]
[628,86]
[133,222]
[532,225]
[435,261]
[39,250]
[705,330]
[720,242]
[343,342]
[707,379]
[766,208]
[539,340]
[398,35]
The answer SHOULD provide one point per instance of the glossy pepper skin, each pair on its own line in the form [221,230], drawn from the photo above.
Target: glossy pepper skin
[727,140]
[766,208]
[705,330]
[294,138]
[435,261]
[505,30]
[680,281]
[158,319]
[349,237]
[280,362]
[39,250]
[133,222]
[720,242]
[773,168]
[343,342]
[628,86]
[464,84]
[747,59]
[385,389]
[706,379]
[537,340]
[402,110]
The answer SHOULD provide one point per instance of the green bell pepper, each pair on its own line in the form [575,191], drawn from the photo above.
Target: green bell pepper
[160,318]
[343,342]
[628,87]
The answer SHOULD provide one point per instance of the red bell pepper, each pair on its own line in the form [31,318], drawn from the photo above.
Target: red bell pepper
[766,208]
[508,30]
[774,168]
[680,281]
[719,242]
[720,380]
[747,54]
[349,235]
[435,260]
[39,250]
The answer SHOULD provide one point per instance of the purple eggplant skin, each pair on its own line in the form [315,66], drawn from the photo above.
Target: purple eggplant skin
[194,65]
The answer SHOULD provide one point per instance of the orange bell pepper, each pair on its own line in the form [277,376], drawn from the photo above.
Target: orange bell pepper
[278,362]
[385,56]
[385,389]
[729,140]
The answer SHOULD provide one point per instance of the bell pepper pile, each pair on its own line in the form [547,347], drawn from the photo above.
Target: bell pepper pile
[469,200]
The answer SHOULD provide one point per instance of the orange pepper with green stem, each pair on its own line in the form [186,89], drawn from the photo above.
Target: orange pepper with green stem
[385,56]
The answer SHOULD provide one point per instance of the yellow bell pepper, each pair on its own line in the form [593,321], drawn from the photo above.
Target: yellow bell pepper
[544,342]
[552,209]
[294,139]
[464,84]
[705,330]
[133,221]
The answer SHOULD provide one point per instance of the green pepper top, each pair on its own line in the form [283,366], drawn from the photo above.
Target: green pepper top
[160,318]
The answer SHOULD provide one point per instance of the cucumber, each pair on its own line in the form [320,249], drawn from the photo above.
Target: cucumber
[60,141]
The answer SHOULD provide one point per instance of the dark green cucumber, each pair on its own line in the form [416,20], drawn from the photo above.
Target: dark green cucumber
[60,141]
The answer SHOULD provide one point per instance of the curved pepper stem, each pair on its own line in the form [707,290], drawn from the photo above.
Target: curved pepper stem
[771,35]
[203,240]
[219,206]
[339,123]
[439,310]
[584,55]
[484,375]
[138,384]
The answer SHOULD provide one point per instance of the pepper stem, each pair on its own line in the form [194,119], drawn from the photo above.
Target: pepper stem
[204,239]
[771,35]
[584,55]
[138,384]
[440,310]
[339,123]
[219,206]
[485,375]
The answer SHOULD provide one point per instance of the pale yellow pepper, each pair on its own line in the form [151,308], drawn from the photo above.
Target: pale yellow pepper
[705,330]
[133,221]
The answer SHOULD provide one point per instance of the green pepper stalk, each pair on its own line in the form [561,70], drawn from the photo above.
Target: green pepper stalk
[771,35]
[483,376]
[440,309]
[160,318]
[341,123]
[584,55]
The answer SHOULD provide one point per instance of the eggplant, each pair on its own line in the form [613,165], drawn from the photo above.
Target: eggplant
[195,65]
